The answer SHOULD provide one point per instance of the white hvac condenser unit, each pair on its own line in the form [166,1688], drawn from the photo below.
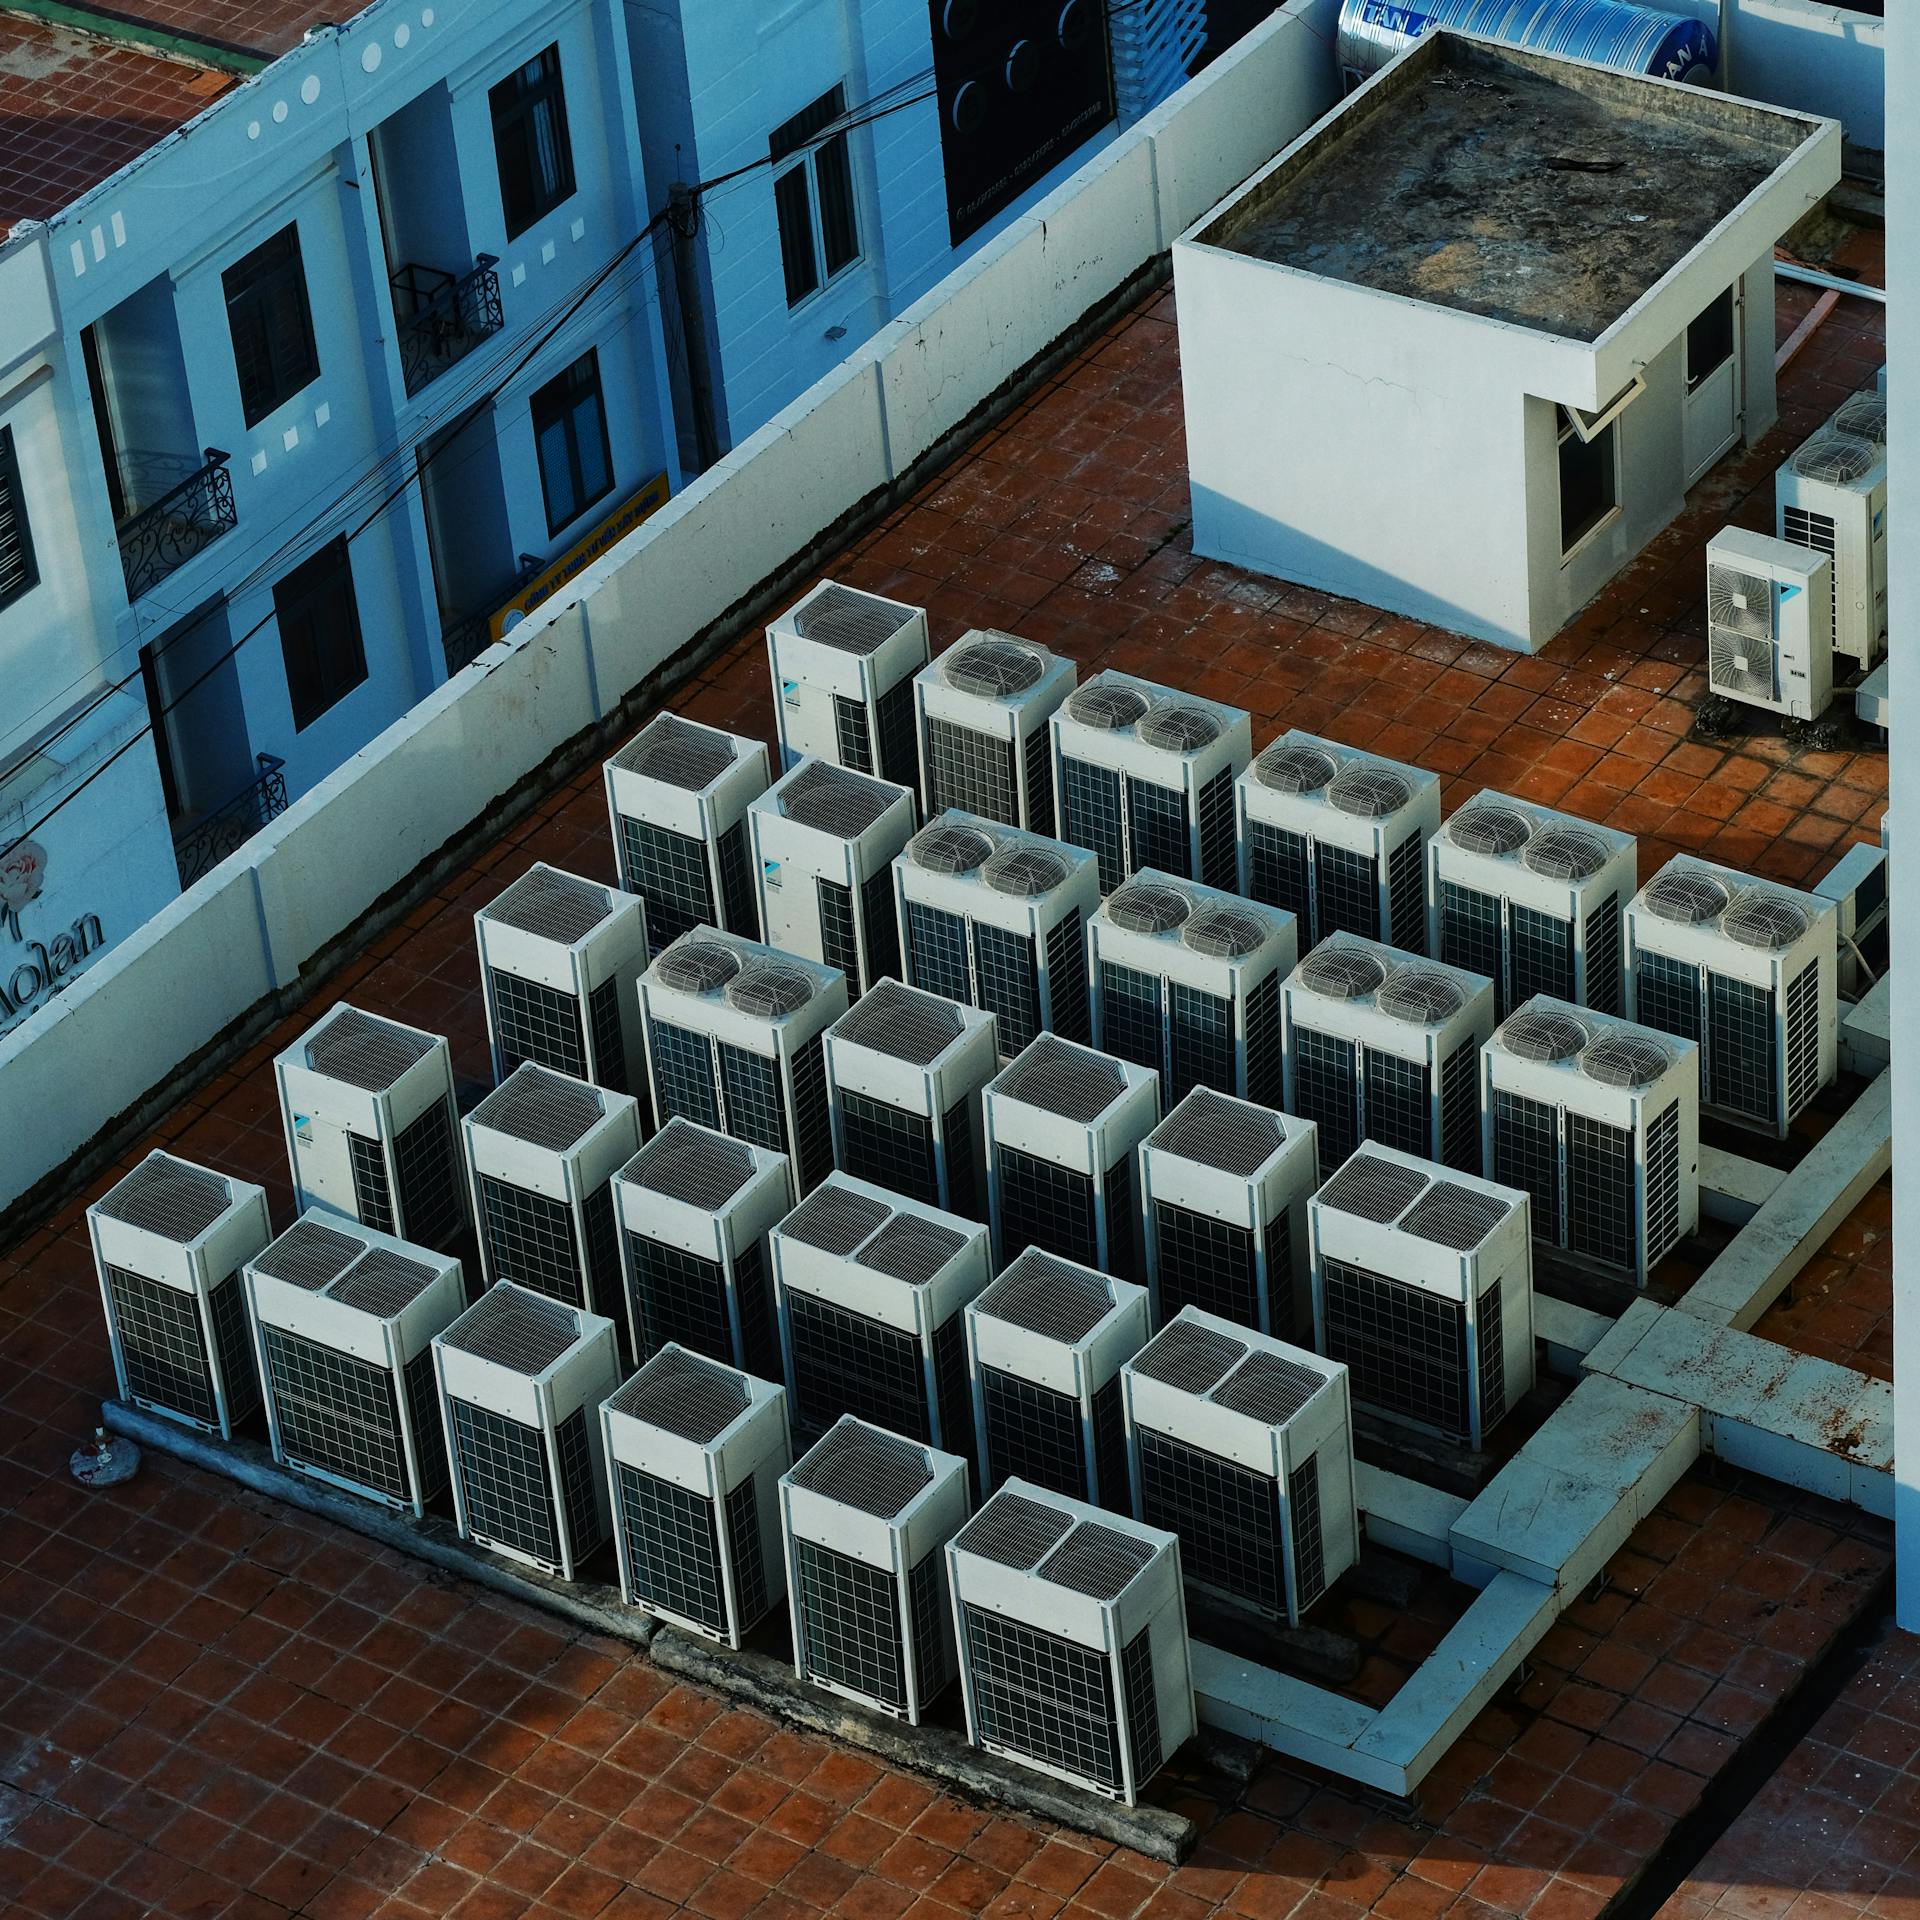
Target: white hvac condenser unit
[1832,496]
[1144,776]
[1186,980]
[905,1071]
[824,841]
[1747,969]
[1045,1345]
[1532,899]
[865,1516]
[843,663]
[982,709]
[996,919]
[368,1109]
[1062,1124]
[1224,1186]
[694,1452]
[1769,624]
[1423,1289]
[677,796]
[1338,838]
[169,1240]
[559,959]
[1382,1047]
[736,1037]
[344,1320]
[521,1382]
[1598,1121]
[1072,1627]
[1242,1448]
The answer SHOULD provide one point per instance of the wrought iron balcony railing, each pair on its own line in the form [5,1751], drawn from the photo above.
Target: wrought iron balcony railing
[201,847]
[442,319]
[184,520]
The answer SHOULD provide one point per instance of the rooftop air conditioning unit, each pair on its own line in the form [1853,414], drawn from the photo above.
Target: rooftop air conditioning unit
[695,1209]
[1748,970]
[677,794]
[823,846]
[1832,496]
[1073,1640]
[1145,778]
[982,710]
[1338,838]
[1423,1288]
[843,664]
[1598,1122]
[1186,980]
[736,1041]
[1532,899]
[996,919]
[558,960]
[1243,1449]
[521,1381]
[694,1455]
[1062,1123]
[542,1151]
[905,1070]
[344,1319]
[1045,1345]
[368,1108]
[1380,1047]
[869,1289]
[169,1241]
[1863,415]
[1224,1187]
[1769,643]
[865,1515]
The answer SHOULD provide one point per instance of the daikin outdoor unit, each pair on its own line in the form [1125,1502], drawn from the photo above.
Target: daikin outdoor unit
[1224,1187]
[542,1151]
[1532,899]
[694,1210]
[905,1071]
[694,1455]
[1423,1288]
[1381,1047]
[843,664]
[1062,1124]
[1769,614]
[1186,980]
[343,1321]
[169,1241]
[368,1108]
[1144,776]
[677,794]
[1045,1345]
[865,1516]
[1243,1449]
[736,1038]
[521,1382]
[996,919]
[1747,969]
[1338,838]
[1832,496]
[982,710]
[870,1289]
[824,841]
[1597,1121]
[559,958]
[1072,1626]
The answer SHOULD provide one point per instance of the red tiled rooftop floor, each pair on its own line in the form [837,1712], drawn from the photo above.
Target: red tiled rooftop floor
[265,27]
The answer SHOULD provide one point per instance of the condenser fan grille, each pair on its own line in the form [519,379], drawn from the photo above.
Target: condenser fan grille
[1686,898]
[912,1249]
[676,753]
[1369,793]
[1144,906]
[696,966]
[683,1394]
[1865,417]
[1489,829]
[1179,728]
[168,1197]
[543,1108]
[1544,1035]
[1074,1082]
[1625,1060]
[901,1022]
[364,1050]
[1096,1560]
[835,1220]
[1740,603]
[1294,769]
[1453,1216]
[1191,1358]
[1565,853]
[1373,1189]
[1835,457]
[1224,933]
[309,1256]
[946,849]
[768,990]
[515,1329]
[1267,1387]
[1108,704]
[834,800]
[993,669]
[1013,1531]
[872,1472]
[1341,973]
[686,1162]
[383,1283]
[1422,995]
[1741,665]
[1025,872]
[849,621]
[1759,918]
[1048,1296]
[552,905]
[1232,1136]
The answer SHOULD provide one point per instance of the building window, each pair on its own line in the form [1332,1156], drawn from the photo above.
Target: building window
[813,198]
[1589,481]
[530,141]
[570,436]
[271,323]
[17,569]
[320,632]
[1710,341]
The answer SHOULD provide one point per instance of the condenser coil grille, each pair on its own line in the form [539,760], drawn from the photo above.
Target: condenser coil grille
[170,1198]
[1422,995]
[1013,1531]
[1224,933]
[1450,1215]
[1295,769]
[912,1249]
[902,1022]
[516,1330]
[680,1393]
[1268,1388]
[944,848]
[1489,829]
[1341,973]
[1371,1188]
[1063,1079]
[770,990]
[1687,898]
[1144,906]
[1864,417]
[1369,792]
[872,1472]
[1625,1060]
[1769,921]
[309,1255]
[696,966]
[1214,1131]
[1049,1296]
[383,1283]
[835,1220]
[543,1108]
[552,905]
[1025,872]
[1835,457]
[1544,1035]
[1565,853]
[1194,1359]
[365,1051]
[1095,1560]
[1108,704]
[686,1162]
[993,668]
[847,620]
[676,753]
[834,800]
[1179,727]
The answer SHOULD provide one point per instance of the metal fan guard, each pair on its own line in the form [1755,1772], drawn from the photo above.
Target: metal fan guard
[1146,906]
[1341,973]
[685,1394]
[902,1022]
[1013,1531]
[551,905]
[770,989]
[543,1108]
[677,753]
[1213,1130]
[993,669]
[696,966]
[1048,1296]
[1423,995]
[1223,932]
[689,1162]
[1625,1060]
[1025,872]
[1489,828]
[1075,1083]
[1686,898]
[1836,457]
[941,848]
[1565,853]
[1543,1035]
[833,799]
[1107,704]
[849,621]
[1764,919]
[1368,792]
[1295,769]
[364,1050]
[169,1197]
[860,1467]
[1179,727]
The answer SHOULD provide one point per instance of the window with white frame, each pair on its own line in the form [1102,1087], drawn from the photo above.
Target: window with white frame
[1589,480]
[813,196]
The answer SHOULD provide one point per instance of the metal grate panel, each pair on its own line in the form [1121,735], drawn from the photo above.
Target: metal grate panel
[668,871]
[529,1240]
[1013,1531]
[1266,1387]
[1374,1189]
[847,1362]
[1450,1215]
[835,1220]
[551,905]
[684,1394]
[1225,1516]
[677,753]
[1101,1562]
[1204,1263]
[1423,996]
[687,1163]
[168,1197]
[673,1546]
[947,847]
[336,1413]
[1071,1082]
[902,1022]
[1048,1296]
[1090,816]
[384,1284]
[912,1249]
[1624,1059]
[1540,1033]
[1686,896]
[1189,1358]
[833,800]
[1406,1348]
[695,965]
[533,1021]
[889,1147]
[1294,768]
[1369,791]
[1224,933]
[1764,919]
[1147,906]
[1037,1694]
[1178,726]
[1025,872]
[1032,1433]
[161,1346]
[1106,703]
[1068,1012]
[848,620]
[993,667]
[364,1051]
[1226,1134]
[1341,973]
[1565,853]
[504,1484]
[875,1473]
[1490,828]
[543,1108]
[309,1255]
[770,989]
[849,1624]
[515,1331]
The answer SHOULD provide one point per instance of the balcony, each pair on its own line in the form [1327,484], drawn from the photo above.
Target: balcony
[468,637]
[192,514]
[442,319]
[199,848]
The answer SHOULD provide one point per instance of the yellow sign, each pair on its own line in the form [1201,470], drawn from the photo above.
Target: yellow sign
[616,526]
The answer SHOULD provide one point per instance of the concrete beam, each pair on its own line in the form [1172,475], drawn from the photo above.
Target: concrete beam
[1568,1333]
[1734,1188]
[1405,1515]
[1866,1030]
[1291,1716]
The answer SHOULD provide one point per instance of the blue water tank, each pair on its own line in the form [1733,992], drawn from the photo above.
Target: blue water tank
[1611,33]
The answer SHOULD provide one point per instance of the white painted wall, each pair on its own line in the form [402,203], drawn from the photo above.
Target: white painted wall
[1813,55]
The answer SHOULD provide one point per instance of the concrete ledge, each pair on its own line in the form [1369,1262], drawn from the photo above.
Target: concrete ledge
[1291,1716]
[1406,1515]
[1872,700]
[1866,1030]
[1734,1188]
[1569,1333]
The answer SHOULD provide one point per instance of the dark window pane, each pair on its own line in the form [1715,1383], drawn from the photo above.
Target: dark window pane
[272,328]
[838,236]
[17,569]
[530,141]
[1710,340]
[796,233]
[570,436]
[1588,490]
[320,632]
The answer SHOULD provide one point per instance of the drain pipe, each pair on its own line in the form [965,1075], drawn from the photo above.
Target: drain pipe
[1806,276]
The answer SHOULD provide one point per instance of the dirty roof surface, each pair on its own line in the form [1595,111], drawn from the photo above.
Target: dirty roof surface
[1484,181]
